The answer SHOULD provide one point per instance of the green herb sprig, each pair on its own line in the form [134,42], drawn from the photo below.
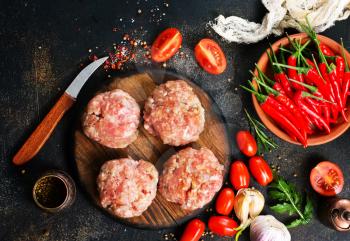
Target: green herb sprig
[290,201]
[264,142]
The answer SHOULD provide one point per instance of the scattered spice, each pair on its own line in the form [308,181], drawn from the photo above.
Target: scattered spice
[170,236]
[129,50]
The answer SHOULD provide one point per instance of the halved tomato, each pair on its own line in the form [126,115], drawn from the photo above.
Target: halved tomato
[327,178]
[166,45]
[210,56]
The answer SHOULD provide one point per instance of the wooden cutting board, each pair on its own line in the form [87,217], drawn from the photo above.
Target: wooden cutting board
[90,155]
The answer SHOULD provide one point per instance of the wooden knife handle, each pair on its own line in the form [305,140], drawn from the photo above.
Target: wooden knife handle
[38,138]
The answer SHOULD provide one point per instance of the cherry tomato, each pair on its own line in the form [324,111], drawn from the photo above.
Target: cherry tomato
[210,56]
[166,45]
[239,175]
[222,225]
[327,178]
[193,230]
[246,143]
[260,170]
[224,201]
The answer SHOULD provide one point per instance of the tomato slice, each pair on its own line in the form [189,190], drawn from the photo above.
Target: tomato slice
[222,225]
[166,45]
[327,179]
[193,230]
[224,201]
[246,143]
[210,56]
[239,175]
[260,170]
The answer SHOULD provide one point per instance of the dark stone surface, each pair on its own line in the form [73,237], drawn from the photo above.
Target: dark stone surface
[42,45]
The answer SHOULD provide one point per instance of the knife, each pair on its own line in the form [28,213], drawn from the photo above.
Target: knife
[38,138]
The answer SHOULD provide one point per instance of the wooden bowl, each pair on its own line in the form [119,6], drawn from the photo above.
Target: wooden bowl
[319,138]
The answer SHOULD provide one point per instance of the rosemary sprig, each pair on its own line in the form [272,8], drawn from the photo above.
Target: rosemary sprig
[264,142]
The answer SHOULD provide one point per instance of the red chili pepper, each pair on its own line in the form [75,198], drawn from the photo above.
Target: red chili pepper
[326,114]
[340,63]
[277,86]
[282,78]
[279,114]
[310,63]
[292,111]
[309,122]
[345,87]
[298,99]
[273,109]
[313,78]
[300,121]
[317,124]
[325,49]
[331,97]
[346,78]
[325,107]
[338,97]
[279,75]
[313,105]
[300,77]
[293,73]
[316,79]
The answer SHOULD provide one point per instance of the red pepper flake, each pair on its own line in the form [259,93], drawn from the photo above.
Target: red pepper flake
[93,57]
[128,50]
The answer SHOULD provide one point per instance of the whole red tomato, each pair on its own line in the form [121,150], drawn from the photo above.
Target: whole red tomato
[193,230]
[224,201]
[239,175]
[166,45]
[260,170]
[222,225]
[327,178]
[246,143]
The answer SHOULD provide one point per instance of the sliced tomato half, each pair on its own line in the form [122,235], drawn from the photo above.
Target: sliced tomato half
[210,56]
[166,45]
[327,179]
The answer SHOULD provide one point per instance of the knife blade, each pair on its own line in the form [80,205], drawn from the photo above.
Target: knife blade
[79,81]
[43,131]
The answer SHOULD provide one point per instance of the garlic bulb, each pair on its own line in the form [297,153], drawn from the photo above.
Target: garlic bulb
[248,204]
[268,228]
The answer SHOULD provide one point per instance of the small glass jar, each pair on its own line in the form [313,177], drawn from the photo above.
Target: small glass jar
[54,191]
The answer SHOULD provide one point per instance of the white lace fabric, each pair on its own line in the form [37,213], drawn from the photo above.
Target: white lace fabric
[282,14]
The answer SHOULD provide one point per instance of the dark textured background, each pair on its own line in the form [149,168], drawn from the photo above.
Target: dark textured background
[42,44]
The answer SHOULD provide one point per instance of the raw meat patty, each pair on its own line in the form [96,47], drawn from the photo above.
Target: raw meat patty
[112,119]
[191,178]
[174,113]
[127,187]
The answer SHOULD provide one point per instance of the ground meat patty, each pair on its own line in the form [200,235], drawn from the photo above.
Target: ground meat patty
[191,178]
[174,113]
[127,187]
[112,118]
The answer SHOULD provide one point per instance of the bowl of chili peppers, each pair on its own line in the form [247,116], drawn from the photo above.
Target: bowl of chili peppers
[300,88]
